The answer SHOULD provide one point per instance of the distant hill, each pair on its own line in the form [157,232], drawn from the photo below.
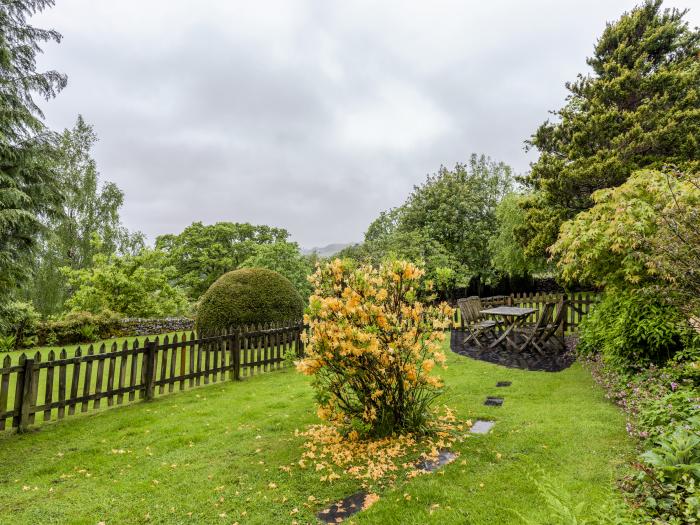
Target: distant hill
[326,251]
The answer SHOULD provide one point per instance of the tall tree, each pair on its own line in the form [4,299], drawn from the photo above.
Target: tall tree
[445,223]
[90,211]
[508,256]
[28,186]
[640,107]
[286,259]
[202,253]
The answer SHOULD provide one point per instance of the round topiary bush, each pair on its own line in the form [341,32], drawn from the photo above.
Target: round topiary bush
[248,296]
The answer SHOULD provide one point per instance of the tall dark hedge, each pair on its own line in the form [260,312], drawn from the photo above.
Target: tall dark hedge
[248,296]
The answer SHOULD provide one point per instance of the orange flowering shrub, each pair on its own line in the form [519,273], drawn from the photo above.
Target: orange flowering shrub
[371,346]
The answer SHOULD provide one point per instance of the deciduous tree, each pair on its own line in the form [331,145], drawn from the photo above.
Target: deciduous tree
[203,253]
[89,210]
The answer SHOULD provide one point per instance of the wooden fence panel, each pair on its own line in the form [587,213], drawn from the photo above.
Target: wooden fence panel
[48,387]
[163,364]
[173,358]
[111,373]
[98,380]
[84,379]
[4,390]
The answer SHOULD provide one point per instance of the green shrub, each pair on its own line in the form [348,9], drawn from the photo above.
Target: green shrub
[668,486]
[248,296]
[79,327]
[676,408]
[7,343]
[633,330]
[19,319]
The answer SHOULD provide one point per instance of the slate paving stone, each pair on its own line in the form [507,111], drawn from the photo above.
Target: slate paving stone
[342,510]
[493,401]
[482,426]
[503,383]
[553,360]
[431,465]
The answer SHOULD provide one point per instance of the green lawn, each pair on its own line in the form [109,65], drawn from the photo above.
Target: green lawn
[44,350]
[208,455]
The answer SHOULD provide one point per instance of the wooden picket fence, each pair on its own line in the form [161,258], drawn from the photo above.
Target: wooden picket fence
[62,385]
[579,304]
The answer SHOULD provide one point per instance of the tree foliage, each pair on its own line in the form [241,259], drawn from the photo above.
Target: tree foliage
[372,345]
[28,188]
[90,210]
[508,255]
[445,224]
[131,285]
[676,246]
[203,253]
[286,259]
[623,240]
[638,108]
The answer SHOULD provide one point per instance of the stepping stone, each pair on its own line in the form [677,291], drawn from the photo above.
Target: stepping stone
[342,510]
[493,401]
[482,426]
[504,383]
[431,465]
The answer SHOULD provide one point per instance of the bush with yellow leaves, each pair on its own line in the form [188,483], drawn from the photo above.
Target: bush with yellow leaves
[372,342]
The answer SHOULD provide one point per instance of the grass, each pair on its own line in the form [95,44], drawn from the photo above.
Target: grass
[209,455]
[44,350]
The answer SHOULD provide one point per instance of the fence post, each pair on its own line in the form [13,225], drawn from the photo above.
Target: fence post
[27,395]
[563,327]
[300,343]
[150,370]
[237,355]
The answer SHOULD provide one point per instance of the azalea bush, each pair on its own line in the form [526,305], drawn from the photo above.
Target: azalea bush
[372,343]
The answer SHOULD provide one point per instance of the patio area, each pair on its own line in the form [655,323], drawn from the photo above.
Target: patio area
[553,360]
[528,332]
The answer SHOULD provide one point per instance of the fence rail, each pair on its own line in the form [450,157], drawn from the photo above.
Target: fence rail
[62,385]
[579,304]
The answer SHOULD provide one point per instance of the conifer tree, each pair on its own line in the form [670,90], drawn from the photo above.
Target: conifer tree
[28,189]
[638,108]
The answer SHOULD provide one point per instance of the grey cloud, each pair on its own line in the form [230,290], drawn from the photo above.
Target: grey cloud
[311,115]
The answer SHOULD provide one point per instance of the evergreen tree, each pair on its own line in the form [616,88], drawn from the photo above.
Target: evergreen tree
[28,189]
[640,107]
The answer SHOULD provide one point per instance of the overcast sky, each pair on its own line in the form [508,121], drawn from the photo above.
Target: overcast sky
[309,115]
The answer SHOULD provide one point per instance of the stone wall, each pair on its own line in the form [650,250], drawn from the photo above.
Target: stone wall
[137,326]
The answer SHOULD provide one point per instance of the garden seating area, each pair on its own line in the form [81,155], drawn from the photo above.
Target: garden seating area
[534,328]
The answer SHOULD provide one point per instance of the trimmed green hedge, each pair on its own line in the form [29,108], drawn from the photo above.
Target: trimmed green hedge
[248,296]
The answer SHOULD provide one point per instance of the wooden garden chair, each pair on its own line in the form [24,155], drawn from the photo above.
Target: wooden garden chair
[496,300]
[473,321]
[546,326]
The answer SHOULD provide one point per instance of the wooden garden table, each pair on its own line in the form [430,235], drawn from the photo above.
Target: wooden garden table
[511,315]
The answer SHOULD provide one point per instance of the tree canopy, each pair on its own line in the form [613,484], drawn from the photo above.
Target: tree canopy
[131,285]
[202,253]
[445,223]
[286,259]
[28,185]
[90,211]
[624,239]
[638,108]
